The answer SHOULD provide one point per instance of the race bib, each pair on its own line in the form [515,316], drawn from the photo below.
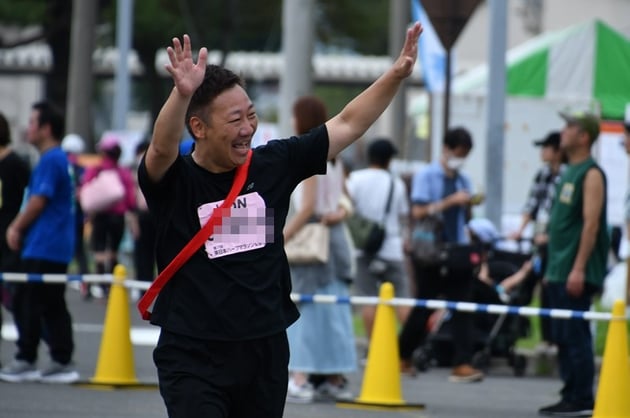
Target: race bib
[248,225]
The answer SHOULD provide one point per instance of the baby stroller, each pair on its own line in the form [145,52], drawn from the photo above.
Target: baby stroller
[494,336]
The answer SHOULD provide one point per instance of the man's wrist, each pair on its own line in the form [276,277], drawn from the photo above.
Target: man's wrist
[435,207]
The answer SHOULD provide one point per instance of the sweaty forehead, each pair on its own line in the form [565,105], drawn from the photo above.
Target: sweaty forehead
[232,100]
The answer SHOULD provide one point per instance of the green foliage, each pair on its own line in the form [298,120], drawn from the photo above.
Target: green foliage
[22,12]
[358,25]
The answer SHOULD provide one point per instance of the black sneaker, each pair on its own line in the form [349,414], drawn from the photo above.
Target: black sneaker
[567,409]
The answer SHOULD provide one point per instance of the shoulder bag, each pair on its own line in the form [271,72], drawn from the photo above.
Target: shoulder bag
[101,192]
[309,245]
[368,235]
[195,243]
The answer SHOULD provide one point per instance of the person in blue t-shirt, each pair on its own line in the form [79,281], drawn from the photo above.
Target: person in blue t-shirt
[44,233]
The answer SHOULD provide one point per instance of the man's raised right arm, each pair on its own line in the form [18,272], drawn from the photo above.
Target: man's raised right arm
[169,124]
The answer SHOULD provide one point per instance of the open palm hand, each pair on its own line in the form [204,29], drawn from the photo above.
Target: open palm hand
[407,59]
[186,74]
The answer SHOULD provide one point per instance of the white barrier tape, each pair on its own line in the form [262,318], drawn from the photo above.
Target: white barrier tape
[353,300]
[460,306]
[55,278]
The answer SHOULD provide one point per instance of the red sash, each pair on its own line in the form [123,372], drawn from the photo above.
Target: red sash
[195,243]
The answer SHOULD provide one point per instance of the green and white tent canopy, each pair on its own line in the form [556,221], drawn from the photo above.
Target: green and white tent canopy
[589,61]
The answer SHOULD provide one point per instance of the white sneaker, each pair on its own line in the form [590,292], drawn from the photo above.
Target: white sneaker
[330,392]
[300,393]
[19,371]
[59,373]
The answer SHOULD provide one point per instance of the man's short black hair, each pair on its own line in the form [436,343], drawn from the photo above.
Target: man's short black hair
[49,114]
[381,151]
[216,80]
[458,138]
[5,131]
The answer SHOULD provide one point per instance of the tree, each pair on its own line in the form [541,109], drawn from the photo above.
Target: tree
[225,25]
[53,18]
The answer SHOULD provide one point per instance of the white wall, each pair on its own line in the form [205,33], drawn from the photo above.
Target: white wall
[526,120]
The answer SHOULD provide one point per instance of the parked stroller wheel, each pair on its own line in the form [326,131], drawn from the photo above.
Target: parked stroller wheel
[519,365]
[481,360]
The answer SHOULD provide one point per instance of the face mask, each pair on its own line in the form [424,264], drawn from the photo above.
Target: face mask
[454,163]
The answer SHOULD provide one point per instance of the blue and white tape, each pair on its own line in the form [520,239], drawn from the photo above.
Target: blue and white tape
[332,299]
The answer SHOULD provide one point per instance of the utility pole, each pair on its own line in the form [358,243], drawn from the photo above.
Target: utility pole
[122,91]
[399,17]
[298,32]
[80,76]
[496,112]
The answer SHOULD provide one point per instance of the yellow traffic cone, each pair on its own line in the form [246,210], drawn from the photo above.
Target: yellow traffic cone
[612,399]
[115,366]
[381,382]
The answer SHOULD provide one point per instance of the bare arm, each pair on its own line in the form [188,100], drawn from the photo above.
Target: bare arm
[306,211]
[525,220]
[34,207]
[169,124]
[593,198]
[357,116]
[460,198]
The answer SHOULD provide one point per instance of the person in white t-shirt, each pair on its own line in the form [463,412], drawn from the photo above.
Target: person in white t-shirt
[369,190]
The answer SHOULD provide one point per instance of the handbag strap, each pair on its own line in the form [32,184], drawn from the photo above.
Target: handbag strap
[389,199]
[195,243]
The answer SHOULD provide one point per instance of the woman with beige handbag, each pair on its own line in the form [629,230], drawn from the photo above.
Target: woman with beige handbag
[322,340]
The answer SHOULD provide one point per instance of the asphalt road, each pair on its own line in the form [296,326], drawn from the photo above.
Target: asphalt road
[500,395]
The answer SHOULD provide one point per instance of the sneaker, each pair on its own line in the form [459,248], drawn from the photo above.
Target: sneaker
[300,393]
[465,373]
[84,289]
[567,409]
[97,292]
[19,371]
[328,391]
[59,373]
[407,368]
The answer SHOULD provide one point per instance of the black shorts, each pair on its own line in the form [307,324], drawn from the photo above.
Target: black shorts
[107,232]
[218,379]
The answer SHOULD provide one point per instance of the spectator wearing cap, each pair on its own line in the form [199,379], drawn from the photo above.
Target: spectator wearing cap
[578,251]
[541,192]
[74,145]
[442,191]
[108,226]
[536,210]
[369,189]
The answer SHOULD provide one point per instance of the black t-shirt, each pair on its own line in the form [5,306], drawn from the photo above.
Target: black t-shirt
[237,286]
[14,175]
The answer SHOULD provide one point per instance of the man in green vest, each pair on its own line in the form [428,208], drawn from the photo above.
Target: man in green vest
[578,249]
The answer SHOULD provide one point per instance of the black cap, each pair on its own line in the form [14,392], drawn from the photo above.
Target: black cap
[381,149]
[551,140]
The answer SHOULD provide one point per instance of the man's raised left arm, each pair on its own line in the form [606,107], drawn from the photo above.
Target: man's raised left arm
[357,116]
